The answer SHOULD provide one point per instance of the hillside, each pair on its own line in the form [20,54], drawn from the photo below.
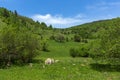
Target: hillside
[88,30]
[10,17]
[81,51]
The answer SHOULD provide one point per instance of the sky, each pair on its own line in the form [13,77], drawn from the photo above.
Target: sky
[64,13]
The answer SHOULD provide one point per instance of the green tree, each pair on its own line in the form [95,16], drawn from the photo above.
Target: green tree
[77,38]
[6,13]
[110,42]
[15,12]
[108,46]
[17,45]
[43,25]
[60,38]
[50,27]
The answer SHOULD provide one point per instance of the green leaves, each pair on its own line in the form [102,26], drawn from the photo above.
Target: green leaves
[20,44]
[109,45]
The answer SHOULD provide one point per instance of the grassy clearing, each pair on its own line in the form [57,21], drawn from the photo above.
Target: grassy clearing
[59,49]
[67,69]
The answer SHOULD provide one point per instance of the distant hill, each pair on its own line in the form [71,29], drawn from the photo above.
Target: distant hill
[88,29]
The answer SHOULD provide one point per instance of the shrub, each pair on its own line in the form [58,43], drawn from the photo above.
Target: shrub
[45,46]
[79,52]
[107,46]
[60,38]
[83,52]
[85,40]
[17,46]
[77,38]
[52,37]
[74,52]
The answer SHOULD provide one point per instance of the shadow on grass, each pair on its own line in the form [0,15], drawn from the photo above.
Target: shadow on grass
[34,61]
[105,67]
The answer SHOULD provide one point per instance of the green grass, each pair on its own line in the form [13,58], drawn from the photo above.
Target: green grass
[59,49]
[67,69]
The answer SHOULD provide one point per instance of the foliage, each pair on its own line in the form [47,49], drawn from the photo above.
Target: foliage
[110,43]
[77,38]
[52,37]
[14,19]
[82,51]
[74,52]
[44,45]
[17,46]
[107,46]
[104,39]
[88,30]
[60,38]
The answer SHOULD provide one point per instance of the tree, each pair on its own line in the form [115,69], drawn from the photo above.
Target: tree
[17,46]
[109,45]
[50,27]
[110,42]
[77,38]
[43,25]
[45,46]
[60,38]
[6,13]
[15,12]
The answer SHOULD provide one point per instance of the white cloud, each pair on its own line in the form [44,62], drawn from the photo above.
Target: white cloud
[104,5]
[113,4]
[59,21]
[97,7]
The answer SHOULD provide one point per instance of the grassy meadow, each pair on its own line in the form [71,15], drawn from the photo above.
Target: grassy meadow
[76,48]
[67,68]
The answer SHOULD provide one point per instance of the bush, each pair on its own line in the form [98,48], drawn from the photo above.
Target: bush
[85,40]
[60,38]
[17,46]
[107,46]
[77,38]
[83,52]
[79,52]
[45,46]
[52,37]
[74,52]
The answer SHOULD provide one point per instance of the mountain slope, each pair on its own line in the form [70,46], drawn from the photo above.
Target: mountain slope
[89,29]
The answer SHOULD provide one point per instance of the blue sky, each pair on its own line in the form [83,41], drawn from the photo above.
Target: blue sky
[65,13]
